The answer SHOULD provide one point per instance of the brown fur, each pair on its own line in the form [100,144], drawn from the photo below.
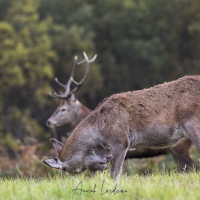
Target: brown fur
[158,117]
[76,112]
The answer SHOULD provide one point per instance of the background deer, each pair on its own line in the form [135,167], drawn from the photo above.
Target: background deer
[70,111]
[158,117]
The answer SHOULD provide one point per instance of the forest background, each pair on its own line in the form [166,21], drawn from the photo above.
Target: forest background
[139,43]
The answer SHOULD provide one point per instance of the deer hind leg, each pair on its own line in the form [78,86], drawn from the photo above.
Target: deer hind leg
[182,156]
[192,131]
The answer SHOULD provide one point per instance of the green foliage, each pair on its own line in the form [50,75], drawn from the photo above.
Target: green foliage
[20,124]
[186,34]
[142,42]
[4,5]
[73,34]
[139,44]
[135,36]
[25,66]
[10,143]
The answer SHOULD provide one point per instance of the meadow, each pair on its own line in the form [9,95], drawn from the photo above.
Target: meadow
[152,186]
[142,179]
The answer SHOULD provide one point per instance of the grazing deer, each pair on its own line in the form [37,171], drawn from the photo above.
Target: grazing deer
[70,111]
[159,117]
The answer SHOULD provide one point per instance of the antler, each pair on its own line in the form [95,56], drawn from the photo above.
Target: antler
[67,93]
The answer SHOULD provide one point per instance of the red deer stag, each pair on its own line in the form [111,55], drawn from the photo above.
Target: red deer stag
[70,111]
[159,117]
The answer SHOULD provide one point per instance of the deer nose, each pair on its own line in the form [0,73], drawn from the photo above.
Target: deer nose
[49,123]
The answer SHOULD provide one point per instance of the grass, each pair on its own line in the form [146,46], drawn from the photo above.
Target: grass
[156,185]
[148,179]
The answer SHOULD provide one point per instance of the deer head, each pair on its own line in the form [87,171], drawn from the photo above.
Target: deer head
[93,160]
[68,110]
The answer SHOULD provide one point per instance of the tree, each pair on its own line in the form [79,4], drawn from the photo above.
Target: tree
[73,34]
[26,70]
[132,38]
[185,47]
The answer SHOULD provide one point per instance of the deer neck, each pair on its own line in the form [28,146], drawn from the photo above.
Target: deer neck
[81,112]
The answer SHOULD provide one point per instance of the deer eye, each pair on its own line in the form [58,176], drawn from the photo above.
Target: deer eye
[63,109]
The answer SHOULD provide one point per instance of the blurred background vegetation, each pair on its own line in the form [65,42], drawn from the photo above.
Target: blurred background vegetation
[139,44]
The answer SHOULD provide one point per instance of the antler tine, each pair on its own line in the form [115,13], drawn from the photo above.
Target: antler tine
[74,66]
[62,94]
[66,86]
[86,71]
[67,92]
[91,60]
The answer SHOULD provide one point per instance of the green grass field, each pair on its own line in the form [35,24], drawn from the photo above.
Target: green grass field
[156,185]
[149,179]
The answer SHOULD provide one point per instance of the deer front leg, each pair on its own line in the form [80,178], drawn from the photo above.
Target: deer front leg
[119,154]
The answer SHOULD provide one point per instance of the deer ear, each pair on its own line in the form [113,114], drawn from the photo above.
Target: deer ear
[57,145]
[53,162]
